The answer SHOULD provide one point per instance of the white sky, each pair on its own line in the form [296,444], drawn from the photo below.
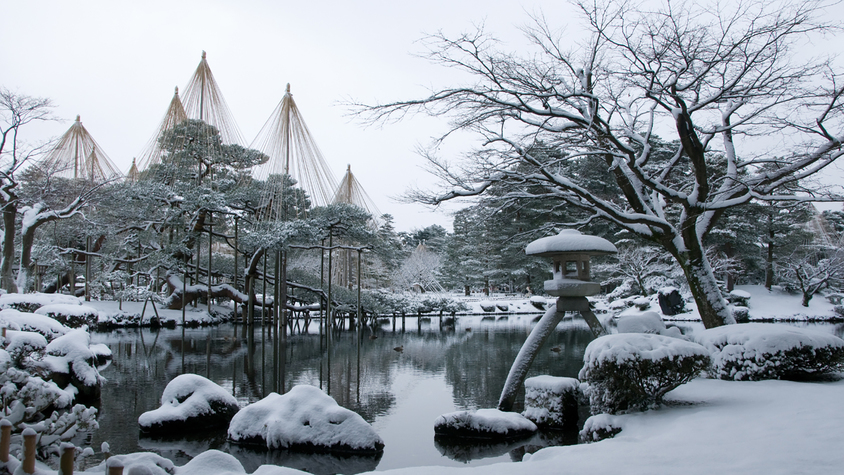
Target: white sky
[116,64]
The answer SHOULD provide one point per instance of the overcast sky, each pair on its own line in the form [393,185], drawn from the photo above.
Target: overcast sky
[116,63]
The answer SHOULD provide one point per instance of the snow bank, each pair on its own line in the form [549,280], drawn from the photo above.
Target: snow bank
[483,423]
[190,402]
[303,418]
[754,351]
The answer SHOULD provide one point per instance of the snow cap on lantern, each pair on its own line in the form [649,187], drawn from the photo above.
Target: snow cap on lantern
[570,251]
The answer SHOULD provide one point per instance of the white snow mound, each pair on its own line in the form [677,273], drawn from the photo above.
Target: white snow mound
[623,347]
[186,396]
[304,417]
[483,422]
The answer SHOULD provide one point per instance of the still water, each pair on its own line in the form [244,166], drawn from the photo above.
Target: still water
[399,381]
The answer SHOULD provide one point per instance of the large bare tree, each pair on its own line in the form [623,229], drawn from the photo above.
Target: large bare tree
[16,111]
[703,75]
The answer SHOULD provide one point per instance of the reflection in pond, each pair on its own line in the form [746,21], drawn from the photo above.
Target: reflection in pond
[400,393]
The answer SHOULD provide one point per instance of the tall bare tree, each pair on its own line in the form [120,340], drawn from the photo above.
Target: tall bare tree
[16,111]
[702,75]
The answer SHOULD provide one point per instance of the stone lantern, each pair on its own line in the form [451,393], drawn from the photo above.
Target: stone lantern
[570,252]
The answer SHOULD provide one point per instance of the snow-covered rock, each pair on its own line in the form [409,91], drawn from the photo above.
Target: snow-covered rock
[484,423]
[754,351]
[551,401]
[305,418]
[635,370]
[190,402]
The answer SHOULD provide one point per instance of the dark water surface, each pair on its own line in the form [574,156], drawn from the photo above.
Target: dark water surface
[398,381]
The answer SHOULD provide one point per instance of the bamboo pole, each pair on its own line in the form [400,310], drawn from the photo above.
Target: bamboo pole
[87,270]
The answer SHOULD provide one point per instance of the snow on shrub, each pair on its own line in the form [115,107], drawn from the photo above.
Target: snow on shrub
[305,418]
[600,427]
[24,348]
[755,351]
[190,402]
[634,370]
[551,401]
[32,302]
[71,315]
[71,354]
[17,320]
[484,423]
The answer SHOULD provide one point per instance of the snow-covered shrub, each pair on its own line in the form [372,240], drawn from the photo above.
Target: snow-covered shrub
[31,322]
[487,305]
[756,351]
[741,314]
[32,302]
[305,418]
[551,401]
[73,316]
[484,423]
[600,427]
[634,370]
[190,403]
[627,288]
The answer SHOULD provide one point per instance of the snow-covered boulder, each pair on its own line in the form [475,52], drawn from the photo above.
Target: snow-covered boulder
[190,403]
[484,423]
[72,315]
[538,302]
[487,305]
[634,370]
[305,418]
[670,301]
[754,351]
[551,401]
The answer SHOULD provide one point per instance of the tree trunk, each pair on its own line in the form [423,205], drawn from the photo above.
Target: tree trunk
[807,296]
[710,304]
[7,281]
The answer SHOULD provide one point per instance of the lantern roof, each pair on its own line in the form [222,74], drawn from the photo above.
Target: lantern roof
[570,240]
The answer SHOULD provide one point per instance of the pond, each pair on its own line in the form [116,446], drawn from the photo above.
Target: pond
[399,381]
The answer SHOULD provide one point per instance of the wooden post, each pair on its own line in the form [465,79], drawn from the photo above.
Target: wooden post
[115,467]
[29,436]
[210,244]
[236,224]
[66,461]
[87,270]
[5,436]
